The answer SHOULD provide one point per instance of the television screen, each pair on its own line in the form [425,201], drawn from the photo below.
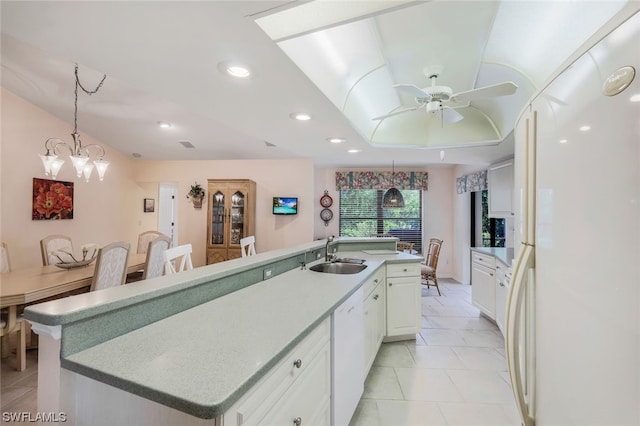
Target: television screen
[285,205]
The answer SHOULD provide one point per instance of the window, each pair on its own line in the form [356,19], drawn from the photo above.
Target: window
[362,215]
[485,231]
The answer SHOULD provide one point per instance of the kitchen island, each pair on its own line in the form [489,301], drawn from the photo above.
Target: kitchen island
[196,364]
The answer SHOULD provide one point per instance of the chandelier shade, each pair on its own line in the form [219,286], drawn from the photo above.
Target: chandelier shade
[80,154]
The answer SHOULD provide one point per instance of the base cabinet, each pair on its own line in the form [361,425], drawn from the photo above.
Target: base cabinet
[502,289]
[374,318]
[403,300]
[483,290]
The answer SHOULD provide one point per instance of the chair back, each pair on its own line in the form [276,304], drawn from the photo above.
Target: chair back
[381,235]
[52,243]
[145,238]
[5,264]
[111,266]
[404,246]
[248,246]
[172,255]
[433,253]
[154,265]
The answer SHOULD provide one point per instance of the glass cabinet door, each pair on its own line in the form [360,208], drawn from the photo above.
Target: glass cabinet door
[237,217]
[217,218]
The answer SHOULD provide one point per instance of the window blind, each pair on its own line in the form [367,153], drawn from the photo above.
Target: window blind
[362,215]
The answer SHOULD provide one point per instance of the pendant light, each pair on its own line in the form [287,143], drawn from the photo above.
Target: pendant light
[393,197]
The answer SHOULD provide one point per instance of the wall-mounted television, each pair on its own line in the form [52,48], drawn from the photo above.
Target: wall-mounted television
[285,205]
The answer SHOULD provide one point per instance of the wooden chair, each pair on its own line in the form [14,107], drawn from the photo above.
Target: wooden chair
[428,268]
[52,243]
[404,246]
[154,265]
[111,266]
[12,323]
[248,246]
[171,255]
[145,238]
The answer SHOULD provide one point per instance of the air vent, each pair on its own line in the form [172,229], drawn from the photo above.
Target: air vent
[186,144]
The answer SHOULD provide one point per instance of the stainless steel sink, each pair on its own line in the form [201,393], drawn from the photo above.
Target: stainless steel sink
[338,268]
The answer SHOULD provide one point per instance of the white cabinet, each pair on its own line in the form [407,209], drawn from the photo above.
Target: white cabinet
[298,386]
[501,293]
[403,300]
[347,358]
[483,290]
[374,318]
[500,177]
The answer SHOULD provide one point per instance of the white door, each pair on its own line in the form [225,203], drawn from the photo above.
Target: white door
[167,211]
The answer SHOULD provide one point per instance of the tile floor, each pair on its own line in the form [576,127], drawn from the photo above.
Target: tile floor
[454,373]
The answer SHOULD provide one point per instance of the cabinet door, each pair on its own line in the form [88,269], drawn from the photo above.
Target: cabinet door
[308,399]
[500,190]
[403,306]
[483,290]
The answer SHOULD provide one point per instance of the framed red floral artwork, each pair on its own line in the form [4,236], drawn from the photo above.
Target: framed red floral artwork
[52,199]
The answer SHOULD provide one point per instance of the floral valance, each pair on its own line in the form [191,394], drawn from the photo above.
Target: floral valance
[472,182]
[382,180]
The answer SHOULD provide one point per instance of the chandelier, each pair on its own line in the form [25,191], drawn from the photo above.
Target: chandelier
[79,154]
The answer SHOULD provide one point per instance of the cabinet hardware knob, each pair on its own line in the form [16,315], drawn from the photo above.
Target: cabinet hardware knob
[297,363]
[297,421]
[501,284]
[404,270]
[375,297]
[491,274]
[375,281]
[390,284]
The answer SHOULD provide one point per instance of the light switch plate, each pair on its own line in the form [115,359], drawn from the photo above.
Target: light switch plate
[266,274]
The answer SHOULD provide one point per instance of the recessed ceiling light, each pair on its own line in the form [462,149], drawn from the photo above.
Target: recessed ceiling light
[353,151]
[563,141]
[234,69]
[336,140]
[635,98]
[585,128]
[164,124]
[300,116]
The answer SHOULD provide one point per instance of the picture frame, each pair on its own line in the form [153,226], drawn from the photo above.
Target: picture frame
[149,205]
[52,200]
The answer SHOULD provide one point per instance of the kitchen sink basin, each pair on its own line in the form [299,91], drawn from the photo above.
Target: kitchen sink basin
[338,268]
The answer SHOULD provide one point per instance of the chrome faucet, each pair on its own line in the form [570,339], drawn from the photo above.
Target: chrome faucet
[328,257]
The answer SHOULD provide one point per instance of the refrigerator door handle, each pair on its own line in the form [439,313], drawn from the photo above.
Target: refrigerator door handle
[515,304]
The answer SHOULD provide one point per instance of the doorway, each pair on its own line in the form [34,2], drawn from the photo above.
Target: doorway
[167,211]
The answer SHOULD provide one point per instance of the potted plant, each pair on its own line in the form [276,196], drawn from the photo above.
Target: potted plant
[196,194]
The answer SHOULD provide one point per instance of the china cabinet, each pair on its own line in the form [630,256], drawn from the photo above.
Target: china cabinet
[230,217]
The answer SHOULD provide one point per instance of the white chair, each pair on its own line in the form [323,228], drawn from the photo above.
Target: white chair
[248,246]
[145,238]
[111,266]
[52,243]
[172,255]
[154,265]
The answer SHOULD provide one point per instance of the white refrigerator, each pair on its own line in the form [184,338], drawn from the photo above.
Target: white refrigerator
[573,310]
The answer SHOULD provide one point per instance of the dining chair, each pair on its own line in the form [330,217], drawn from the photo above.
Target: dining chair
[145,238]
[172,255]
[429,267]
[154,265]
[248,246]
[8,327]
[111,266]
[404,246]
[52,243]
[5,264]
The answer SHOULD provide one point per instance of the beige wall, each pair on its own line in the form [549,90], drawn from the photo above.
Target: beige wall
[113,210]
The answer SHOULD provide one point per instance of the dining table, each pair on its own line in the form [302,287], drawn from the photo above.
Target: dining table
[41,283]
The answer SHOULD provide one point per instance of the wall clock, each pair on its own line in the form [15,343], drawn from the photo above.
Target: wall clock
[326,200]
[326,215]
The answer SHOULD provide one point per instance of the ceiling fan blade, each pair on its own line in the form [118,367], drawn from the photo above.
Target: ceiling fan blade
[412,90]
[450,115]
[402,111]
[500,89]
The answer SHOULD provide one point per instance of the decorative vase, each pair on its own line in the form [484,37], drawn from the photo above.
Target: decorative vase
[197,202]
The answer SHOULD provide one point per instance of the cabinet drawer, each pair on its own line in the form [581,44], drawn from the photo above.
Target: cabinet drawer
[372,283]
[403,269]
[263,395]
[484,259]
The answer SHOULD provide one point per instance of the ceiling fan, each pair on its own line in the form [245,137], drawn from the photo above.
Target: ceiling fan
[442,99]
